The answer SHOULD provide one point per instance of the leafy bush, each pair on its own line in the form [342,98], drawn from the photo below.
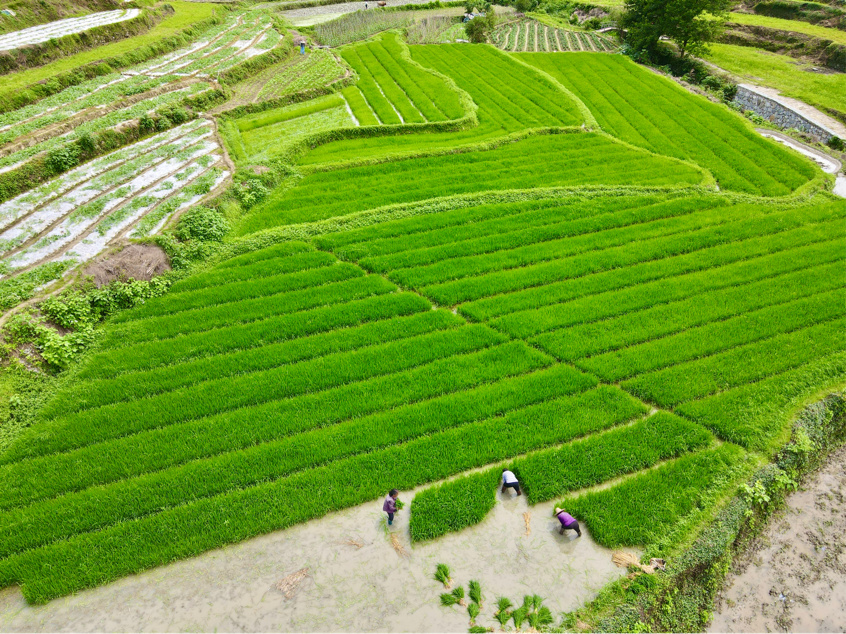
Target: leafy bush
[202,223]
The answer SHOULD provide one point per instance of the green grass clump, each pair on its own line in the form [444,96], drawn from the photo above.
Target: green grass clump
[453,506]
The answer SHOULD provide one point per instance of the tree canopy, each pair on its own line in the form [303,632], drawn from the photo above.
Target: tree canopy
[691,24]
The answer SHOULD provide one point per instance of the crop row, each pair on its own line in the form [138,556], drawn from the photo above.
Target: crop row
[501,292]
[766,403]
[527,323]
[386,74]
[89,394]
[244,311]
[713,337]
[589,254]
[600,338]
[387,237]
[532,101]
[579,235]
[580,159]
[529,35]
[453,505]
[214,396]
[60,28]
[318,68]
[146,355]
[286,262]
[509,376]
[130,497]
[101,173]
[96,557]
[446,227]
[66,229]
[650,112]
[553,472]
[645,508]
[676,384]
[311,272]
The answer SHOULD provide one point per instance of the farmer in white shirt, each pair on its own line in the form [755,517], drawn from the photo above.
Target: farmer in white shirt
[509,481]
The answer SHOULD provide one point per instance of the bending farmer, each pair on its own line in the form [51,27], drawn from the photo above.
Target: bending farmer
[390,505]
[509,481]
[568,522]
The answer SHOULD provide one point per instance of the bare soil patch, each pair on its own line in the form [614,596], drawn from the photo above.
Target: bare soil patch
[793,578]
[135,262]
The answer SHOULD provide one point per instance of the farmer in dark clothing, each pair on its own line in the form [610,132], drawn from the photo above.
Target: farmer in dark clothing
[390,505]
[509,481]
[568,522]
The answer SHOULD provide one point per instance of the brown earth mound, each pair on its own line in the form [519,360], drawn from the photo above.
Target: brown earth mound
[133,262]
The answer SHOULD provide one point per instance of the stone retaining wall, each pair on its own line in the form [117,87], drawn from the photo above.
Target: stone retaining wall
[778,113]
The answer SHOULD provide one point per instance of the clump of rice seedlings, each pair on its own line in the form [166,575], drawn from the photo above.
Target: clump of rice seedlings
[502,613]
[519,616]
[474,591]
[456,597]
[478,629]
[442,574]
[473,610]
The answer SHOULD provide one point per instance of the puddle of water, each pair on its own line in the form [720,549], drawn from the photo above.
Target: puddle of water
[370,588]
[840,186]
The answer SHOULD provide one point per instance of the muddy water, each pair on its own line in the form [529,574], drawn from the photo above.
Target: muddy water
[794,578]
[349,588]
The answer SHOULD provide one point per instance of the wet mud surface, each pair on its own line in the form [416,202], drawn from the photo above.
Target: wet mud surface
[356,580]
[793,579]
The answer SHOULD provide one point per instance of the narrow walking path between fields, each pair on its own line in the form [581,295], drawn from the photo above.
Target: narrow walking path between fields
[357,581]
[794,577]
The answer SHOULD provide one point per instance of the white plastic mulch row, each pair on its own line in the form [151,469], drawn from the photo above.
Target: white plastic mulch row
[60,28]
[97,240]
[96,209]
[25,204]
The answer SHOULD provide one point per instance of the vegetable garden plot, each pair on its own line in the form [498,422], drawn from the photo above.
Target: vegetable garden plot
[60,28]
[643,109]
[683,299]
[569,159]
[138,188]
[532,36]
[107,101]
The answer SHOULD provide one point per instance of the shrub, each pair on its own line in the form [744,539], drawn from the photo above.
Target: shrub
[202,223]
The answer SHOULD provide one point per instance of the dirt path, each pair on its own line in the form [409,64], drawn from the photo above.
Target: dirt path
[362,586]
[794,578]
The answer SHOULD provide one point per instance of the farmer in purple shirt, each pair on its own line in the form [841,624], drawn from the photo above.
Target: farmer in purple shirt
[390,505]
[567,522]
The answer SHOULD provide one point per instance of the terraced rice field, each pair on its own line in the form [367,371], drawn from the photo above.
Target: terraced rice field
[392,89]
[624,98]
[564,262]
[532,36]
[259,383]
[60,28]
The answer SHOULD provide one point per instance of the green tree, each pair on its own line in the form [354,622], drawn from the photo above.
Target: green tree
[479,29]
[691,24]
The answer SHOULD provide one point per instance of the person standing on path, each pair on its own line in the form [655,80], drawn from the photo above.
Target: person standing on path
[509,481]
[390,505]
[568,522]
